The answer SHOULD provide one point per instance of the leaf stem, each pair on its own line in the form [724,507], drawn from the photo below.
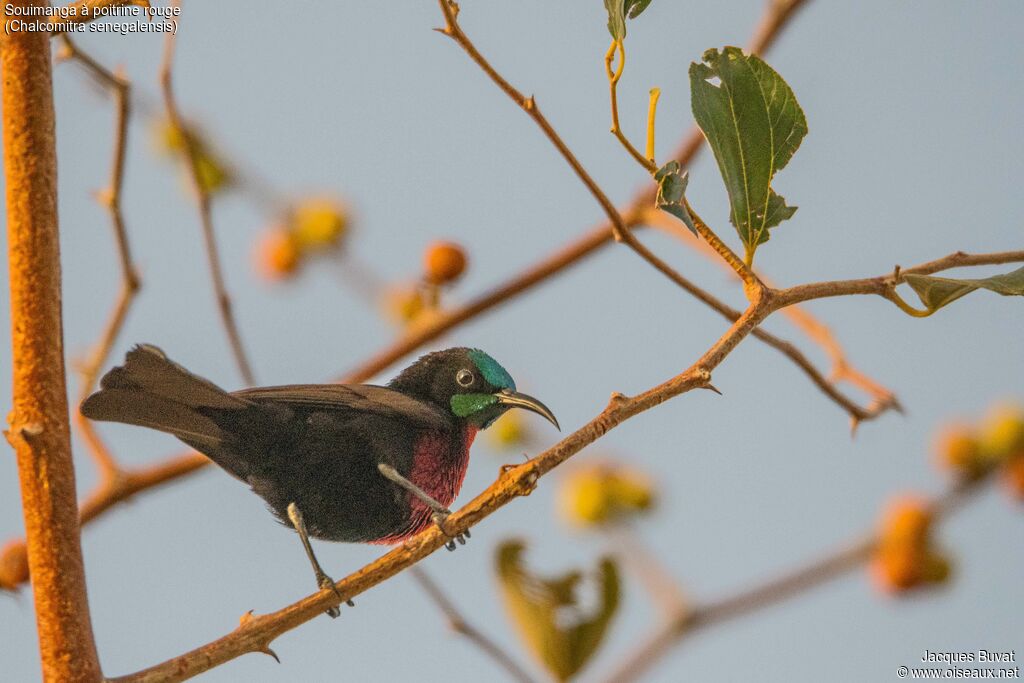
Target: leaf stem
[652,111]
[613,81]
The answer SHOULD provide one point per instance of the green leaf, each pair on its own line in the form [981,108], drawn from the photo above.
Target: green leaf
[616,18]
[635,7]
[618,10]
[936,292]
[672,192]
[560,633]
[754,124]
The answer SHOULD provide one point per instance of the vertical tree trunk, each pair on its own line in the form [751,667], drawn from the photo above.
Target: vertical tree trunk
[38,427]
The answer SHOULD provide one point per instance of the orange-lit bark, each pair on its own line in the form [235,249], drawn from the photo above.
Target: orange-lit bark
[38,427]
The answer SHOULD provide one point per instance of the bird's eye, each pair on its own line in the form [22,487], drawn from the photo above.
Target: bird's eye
[465,378]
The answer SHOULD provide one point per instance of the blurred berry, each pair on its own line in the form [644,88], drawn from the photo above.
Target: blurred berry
[318,223]
[1013,476]
[958,452]
[905,557]
[604,493]
[508,431]
[13,565]
[277,254]
[212,173]
[402,304]
[443,263]
[1002,433]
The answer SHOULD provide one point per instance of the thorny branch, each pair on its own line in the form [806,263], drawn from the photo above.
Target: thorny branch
[832,566]
[205,213]
[130,284]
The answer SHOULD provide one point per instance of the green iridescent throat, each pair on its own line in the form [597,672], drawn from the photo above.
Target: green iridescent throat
[464,405]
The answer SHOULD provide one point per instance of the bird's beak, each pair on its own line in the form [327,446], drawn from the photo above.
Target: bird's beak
[514,398]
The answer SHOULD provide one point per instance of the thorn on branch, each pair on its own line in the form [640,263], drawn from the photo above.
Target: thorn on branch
[711,387]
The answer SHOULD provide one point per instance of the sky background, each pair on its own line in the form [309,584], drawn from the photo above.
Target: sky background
[914,151]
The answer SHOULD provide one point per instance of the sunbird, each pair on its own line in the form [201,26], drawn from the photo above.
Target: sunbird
[338,462]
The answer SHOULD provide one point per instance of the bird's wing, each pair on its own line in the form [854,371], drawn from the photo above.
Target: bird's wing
[364,398]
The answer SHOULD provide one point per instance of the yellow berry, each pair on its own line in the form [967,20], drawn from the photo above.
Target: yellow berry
[603,493]
[403,304]
[319,223]
[1002,433]
[508,431]
[443,262]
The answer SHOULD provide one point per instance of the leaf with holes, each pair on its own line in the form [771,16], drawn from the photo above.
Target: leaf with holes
[753,124]
[936,292]
[561,634]
[672,193]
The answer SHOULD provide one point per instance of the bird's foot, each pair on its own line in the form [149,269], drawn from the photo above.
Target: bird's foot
[440,517]
[327,583]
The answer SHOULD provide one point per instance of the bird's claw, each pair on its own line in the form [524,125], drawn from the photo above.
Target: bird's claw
[327,583]
[439,518]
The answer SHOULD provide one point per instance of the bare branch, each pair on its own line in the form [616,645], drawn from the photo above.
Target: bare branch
[205,214]
[885,285]
[459,624]
[130,284]
[793,583]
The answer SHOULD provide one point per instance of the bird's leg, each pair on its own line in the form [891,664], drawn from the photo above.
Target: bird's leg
[322,579]
[440,512]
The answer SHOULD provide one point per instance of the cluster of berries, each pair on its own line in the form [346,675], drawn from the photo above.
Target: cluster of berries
[905,556]
[414,304]
[311,227]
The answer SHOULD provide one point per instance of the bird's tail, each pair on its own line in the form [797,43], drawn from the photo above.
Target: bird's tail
[153,391]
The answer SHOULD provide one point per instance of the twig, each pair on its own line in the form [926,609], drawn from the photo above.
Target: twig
[130,284]
[205,214]
[459,625]
[661,585]
[885,285]
[790,584]
[39,429]
[619,226]
[842,370]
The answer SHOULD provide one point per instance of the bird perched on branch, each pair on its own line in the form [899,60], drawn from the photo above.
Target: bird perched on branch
[338,462]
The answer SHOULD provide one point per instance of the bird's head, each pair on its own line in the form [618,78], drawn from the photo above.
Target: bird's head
[467,383]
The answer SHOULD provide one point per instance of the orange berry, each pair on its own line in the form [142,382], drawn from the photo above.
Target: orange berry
[277,255]
[957,451]
[906,521]
[443,262]
[1013,476]
[904,557]
[13,565]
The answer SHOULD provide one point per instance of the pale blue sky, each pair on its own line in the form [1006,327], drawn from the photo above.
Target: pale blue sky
[914,151]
